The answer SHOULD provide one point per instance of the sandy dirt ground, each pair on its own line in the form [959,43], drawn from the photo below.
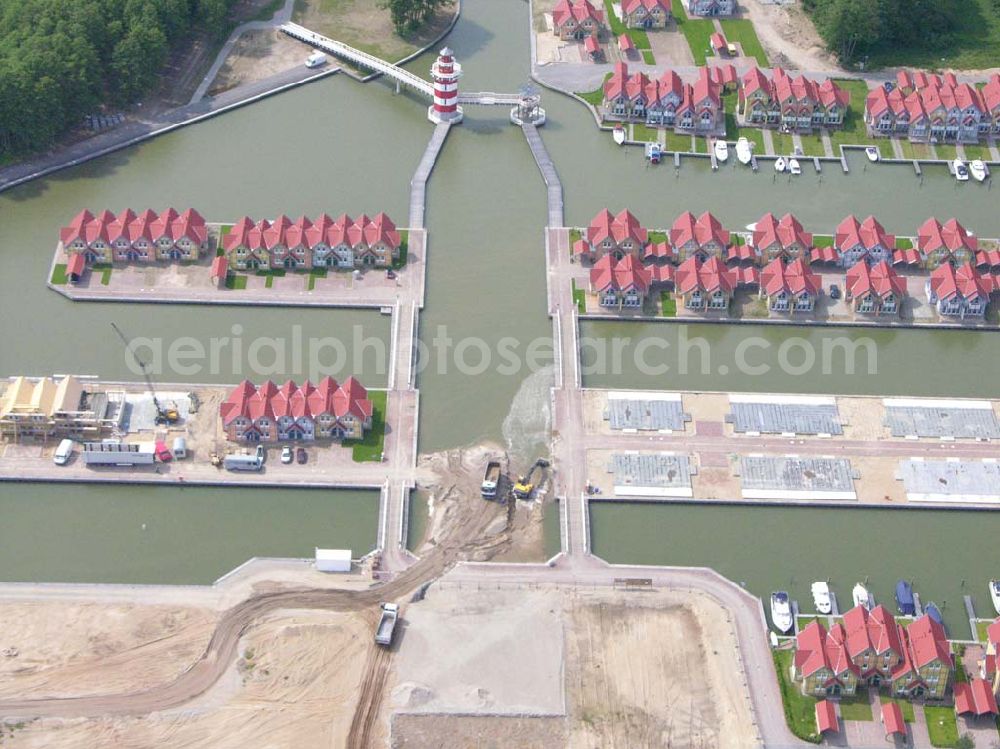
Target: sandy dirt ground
[295,684]
[259,54]
[60,650]
[789,37]
[646,669]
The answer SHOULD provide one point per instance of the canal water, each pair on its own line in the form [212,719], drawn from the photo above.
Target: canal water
[337,145]
[946,554]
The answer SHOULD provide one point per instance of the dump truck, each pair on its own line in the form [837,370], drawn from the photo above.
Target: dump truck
[387,624]
[491,480]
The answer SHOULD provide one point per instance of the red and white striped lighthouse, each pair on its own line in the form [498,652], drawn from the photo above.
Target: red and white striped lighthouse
[445,72]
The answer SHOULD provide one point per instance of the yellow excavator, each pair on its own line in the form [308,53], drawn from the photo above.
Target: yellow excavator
[524,487]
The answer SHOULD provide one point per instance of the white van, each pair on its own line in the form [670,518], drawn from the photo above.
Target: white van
[315,60]
[63,453]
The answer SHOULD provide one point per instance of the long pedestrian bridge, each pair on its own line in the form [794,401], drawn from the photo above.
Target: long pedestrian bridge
[525,104]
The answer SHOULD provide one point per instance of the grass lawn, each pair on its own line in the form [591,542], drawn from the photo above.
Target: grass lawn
[697,31]
[268,272]
[236,281]
[269,282]
[655,237]
[59,277]
[800,710]
[977,152]
[617,27]
[783,143]
[313,275]
[105,269]
[668,305]
[946,151]
[678,142]
[822,240]
[647,56]
[740,30]
[701,145]
[904,243]
[904,705]
[853,131]
[369,450]
[644,133]
[915,150]
[856,708]
[812,145]
[596,97]
[981,627]
[365,24]
[941,725]
[580,298]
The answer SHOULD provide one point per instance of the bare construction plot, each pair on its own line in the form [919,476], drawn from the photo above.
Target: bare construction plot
[795,478]
[951,480]
[651,475]
[784,414]
[955,419]
[658,412]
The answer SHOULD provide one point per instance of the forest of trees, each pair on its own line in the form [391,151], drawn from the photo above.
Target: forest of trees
[854,28]
[61,59]
[409,15]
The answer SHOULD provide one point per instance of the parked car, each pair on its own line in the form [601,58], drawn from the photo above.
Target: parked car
[390,274]
[301,455]
[63,453]
[834,291]
[286,454]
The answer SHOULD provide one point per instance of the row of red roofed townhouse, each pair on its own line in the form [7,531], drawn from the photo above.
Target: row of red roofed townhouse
[130,237]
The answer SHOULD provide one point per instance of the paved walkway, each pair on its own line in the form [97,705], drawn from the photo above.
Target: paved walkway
[418,185]
[554,194]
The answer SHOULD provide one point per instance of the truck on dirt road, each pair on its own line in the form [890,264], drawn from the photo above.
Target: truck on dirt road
[491,480]
[387,624]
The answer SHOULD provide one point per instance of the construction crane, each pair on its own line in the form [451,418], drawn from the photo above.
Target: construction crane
[525,485]
[168,415]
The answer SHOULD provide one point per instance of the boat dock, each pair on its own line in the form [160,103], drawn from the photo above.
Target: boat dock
[834,605]
[548,170]
[418,185]
[971,611]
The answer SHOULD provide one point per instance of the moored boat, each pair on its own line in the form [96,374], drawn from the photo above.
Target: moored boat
[779,164]
[721,150]
[979,170]
[904,598]
[861,596]
[793,166]
[995,594]
[744,151]
[618,134]
[934,613]
[961,170]
[821,597]
[781,611]
[872,153]
[654,153]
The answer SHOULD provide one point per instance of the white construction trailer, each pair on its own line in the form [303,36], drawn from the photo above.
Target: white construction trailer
[333,560]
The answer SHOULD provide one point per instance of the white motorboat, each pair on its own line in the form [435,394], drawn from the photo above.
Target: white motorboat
[654,153]
[618,134]
[995,594]
[961,170]
[721,150]
[861,596]
[873,154]
[779,164]
[793,166]
[781,612]
[979,170]
[744,151]
[821,597]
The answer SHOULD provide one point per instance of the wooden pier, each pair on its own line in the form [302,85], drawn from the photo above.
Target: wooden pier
[418,185]
[548,170]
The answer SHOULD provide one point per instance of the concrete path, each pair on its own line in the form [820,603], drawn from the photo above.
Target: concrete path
[827,143]
[283,15]
[768,141]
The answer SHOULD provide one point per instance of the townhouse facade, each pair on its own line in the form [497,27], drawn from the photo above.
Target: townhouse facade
[927,107]
[615,235]
[874,290]
[646,14]
[789,287]
[792,103]
[705,286]
[667,101]
[620,284]
[290,412]
[870,648]
[949,242]
[136,238]
[578,19]
[702,237]
[962,292]
[711,8]
[784,238]
[304,244]
[862,240]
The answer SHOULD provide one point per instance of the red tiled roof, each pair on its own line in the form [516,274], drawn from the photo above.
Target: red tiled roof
[906,257]
[702,230]
[993,633]
[928,642]
[988,259]
[220,267]
[826,717]
[659,251]
[947,282]
[630,5]
[793,278]
[817,649]
[975,697]
[892,719]
[72,232]
[785,233]
[741,252]
[76,264]
[881,280]
[619,228]
[868,234]
[292,400]
[625,43]
[623,275]
[951,235]
[580,10]
[590,44]
[823,255]
[708,276]
[718,41]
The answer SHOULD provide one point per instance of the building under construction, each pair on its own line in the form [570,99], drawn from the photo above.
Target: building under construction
[55,407]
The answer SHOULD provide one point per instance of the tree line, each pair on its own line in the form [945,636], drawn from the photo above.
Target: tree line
[855,28]
[62,59]
[409,15]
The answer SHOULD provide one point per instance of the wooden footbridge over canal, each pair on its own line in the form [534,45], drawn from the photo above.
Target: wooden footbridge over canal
[443,90]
